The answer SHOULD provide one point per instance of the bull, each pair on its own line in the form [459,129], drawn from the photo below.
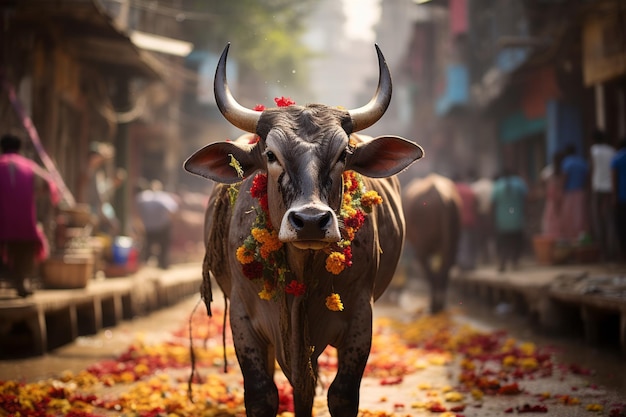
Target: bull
[304,247]
[433,206]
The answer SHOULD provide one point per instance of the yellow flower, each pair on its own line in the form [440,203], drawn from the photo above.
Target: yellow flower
[477,394]
[244,255]
[265,294]
[371,198]
[595,407]
[454,397]
[529,363]
[335,263]
[333,302]
[527,349]
[509,360]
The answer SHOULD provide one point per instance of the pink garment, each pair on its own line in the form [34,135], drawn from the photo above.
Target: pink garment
[574,214]
[468,207]
[552,219]
[18,220]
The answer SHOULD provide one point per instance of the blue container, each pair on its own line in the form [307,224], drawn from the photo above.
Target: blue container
[122,246]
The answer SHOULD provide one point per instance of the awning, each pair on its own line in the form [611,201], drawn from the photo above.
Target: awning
[88,32]
[161,44]
[517,127]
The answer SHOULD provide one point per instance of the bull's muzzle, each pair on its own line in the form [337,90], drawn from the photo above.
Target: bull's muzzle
[310,227]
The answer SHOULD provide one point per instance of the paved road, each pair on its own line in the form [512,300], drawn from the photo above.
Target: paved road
[403,380]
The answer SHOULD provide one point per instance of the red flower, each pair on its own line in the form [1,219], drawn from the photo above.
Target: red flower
[356,221]
[254,139]
[259,186]
[284,101]
[263,202]
[259,107]
[296,288]
[347,252]
[437,408]
[511,389]
[253,270]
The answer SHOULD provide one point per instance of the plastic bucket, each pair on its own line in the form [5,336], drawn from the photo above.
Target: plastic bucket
[122,247]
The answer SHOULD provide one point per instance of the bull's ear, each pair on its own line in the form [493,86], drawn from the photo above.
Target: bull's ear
[384,156]
[224,162]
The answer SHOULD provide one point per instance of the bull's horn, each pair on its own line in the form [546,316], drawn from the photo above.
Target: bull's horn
[365,116]
[235,113]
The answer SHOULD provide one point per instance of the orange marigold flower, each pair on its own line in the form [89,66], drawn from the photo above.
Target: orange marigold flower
[371,198]
[244,255]
[260,235]
[333,302]
[335,262]
[272,241]
[349,232]
[350,182]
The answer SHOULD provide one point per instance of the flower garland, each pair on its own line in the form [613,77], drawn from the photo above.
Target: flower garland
[263,256]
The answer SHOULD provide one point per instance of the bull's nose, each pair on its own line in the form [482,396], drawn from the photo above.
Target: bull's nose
[310,224]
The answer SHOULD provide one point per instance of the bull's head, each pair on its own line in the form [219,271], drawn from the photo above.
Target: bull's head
[304,151]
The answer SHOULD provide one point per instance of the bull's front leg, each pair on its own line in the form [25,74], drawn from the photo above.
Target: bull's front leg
[260,392]
[352,354]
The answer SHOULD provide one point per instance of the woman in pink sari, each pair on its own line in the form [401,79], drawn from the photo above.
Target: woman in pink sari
[22,242]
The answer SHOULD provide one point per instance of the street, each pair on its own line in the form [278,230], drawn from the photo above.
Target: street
[458,364]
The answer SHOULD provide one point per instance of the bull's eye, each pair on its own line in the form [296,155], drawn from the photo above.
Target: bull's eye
[271,157]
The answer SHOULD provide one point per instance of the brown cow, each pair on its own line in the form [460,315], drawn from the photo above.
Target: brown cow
[432,207]
[304,247]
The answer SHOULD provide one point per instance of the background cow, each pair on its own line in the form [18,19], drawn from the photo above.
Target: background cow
[432,209]
[303,154]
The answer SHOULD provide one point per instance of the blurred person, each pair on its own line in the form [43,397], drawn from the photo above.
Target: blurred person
[575,171]
[466,255]
[483,188]
[98,187]
[618,170]
[509,198]
[602,217]
[22,242]
[157,209]
[552,178]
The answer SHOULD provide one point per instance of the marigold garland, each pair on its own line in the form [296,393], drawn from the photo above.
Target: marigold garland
[262,254]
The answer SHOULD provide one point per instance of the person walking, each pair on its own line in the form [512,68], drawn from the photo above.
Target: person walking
[483,187]
[23,243]
[551,219]
[602,218]
[98,187]
[576,176]
[509,205]
[466,254]
[618,170]
[157,210]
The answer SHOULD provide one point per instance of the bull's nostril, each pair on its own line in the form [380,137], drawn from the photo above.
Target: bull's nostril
[325,221]
[296,221]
